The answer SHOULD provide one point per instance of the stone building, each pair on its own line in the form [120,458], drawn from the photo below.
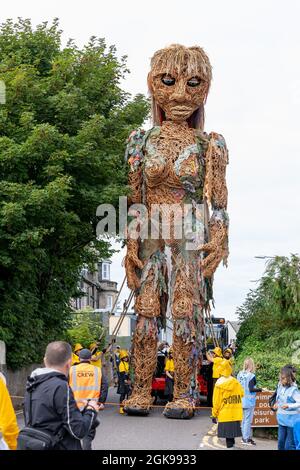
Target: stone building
[99,291]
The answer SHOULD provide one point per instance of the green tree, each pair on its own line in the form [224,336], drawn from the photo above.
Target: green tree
[62,135]
[86,328]
[270,319]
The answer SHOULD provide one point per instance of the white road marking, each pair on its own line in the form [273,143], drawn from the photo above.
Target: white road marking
[217,443]
[206,443]
[213,430]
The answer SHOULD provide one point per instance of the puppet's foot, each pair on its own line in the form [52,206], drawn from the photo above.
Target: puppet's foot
[182,408]
[138,405]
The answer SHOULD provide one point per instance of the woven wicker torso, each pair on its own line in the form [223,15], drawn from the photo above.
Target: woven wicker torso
[172,165]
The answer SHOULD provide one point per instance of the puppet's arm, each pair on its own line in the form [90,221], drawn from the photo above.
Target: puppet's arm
[134,157]
[215,191]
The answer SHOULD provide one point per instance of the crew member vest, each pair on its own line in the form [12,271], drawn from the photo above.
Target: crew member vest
[249,398]
[285,395]
[85,381]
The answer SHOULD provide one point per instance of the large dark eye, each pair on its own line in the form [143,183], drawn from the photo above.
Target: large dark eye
[194,81]
[168,80]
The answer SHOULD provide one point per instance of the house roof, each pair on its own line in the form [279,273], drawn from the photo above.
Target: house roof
[235,325]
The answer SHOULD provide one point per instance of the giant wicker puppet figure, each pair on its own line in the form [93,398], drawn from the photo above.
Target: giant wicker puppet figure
[175,162]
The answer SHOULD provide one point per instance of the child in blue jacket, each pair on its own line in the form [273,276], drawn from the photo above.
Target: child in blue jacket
[247,379]
[288,408]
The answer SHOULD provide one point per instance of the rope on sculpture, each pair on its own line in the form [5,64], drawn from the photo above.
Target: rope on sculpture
[117,298]
[122,316]
[211,328]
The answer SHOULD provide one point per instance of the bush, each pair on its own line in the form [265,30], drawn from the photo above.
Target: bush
[86,328]
[269,356]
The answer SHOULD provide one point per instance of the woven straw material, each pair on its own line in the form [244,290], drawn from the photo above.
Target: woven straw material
[175,163]
[181,63]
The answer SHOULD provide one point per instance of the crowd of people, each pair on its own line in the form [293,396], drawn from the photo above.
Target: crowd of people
[62,399]
[234,402]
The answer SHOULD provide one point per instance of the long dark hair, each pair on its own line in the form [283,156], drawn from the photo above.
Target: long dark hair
[290,374]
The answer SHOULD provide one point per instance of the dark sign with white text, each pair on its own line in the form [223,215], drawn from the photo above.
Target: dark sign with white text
[263,415]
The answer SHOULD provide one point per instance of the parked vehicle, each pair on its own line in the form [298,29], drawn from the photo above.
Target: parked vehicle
[215,331]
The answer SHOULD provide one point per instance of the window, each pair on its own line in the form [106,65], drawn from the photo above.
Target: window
[84,272]
[109,302]
[106,271]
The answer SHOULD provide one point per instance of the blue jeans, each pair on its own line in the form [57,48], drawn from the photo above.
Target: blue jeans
[246,423]
[285,438]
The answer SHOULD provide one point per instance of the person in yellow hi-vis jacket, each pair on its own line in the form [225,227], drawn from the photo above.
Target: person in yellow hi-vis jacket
[75,354]
[8,422]
[124,378]
[215,356]
[228,354]
[85,381]
[169,369]
[96,355]
[227,405]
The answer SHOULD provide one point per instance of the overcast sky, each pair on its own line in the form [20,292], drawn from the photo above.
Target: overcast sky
[254,48]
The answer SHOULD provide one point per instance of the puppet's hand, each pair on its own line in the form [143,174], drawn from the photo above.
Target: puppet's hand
[132,262]
[216,248]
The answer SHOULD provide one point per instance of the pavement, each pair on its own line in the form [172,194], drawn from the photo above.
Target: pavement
[155,432]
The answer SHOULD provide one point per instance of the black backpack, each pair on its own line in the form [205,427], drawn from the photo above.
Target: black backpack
[31,438]
[272,400]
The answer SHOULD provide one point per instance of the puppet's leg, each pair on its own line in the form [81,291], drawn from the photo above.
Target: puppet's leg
[184,335]
[148,308]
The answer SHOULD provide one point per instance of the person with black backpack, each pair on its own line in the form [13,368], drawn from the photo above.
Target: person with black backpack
[52,419]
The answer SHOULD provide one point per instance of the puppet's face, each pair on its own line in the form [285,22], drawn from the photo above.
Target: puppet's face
[178,94]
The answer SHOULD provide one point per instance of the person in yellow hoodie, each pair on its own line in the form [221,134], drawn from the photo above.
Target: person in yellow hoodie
[124,378]
[215,356]
[75,354]
[227,404]
[228,354]
[8,422]
[96,354]
[169,369]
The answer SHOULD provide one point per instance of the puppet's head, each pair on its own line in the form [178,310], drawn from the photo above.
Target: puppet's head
[179,81]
